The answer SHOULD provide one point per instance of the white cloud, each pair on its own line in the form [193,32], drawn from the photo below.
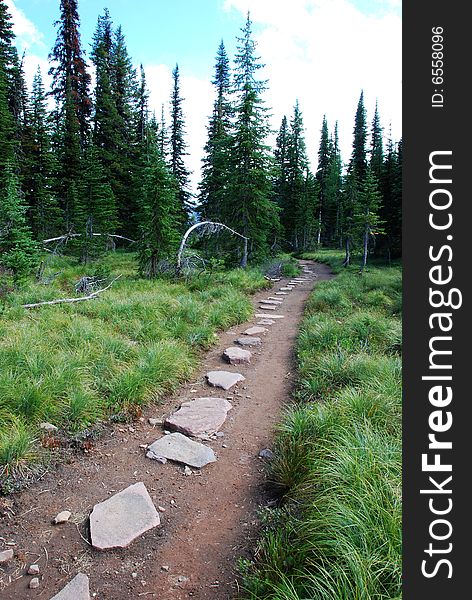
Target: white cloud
[323,52]
[27,34]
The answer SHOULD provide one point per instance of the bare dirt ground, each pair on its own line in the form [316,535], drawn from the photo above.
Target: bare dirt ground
[209,518]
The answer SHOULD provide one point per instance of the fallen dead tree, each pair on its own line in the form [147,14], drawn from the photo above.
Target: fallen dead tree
[72,300]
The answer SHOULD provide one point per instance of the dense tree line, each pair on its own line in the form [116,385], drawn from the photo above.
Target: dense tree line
[100,162]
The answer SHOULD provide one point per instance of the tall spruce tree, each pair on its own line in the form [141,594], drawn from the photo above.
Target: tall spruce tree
[281,162]
[376,147]
[249,208]
[179,147]
[160,214]
[215,171]
[358,162]
[324,158]
[70,88]
[391,209]
[45,214]
[7,57]
[332,193]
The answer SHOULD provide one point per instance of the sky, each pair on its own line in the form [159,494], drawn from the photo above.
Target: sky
[319,52]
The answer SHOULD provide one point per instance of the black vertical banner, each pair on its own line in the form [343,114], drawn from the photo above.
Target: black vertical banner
[437,319]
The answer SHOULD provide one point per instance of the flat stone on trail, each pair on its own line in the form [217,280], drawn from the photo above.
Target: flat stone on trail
[119,520]
[249,341]
[263,316]
[279,300]
[286,289]
[272,302]
[237,356]
[77,589]
[267,307]
[6,555]
[255,330]
[265,322]
[181,449]
[200,417]
[224,379]
[281,293]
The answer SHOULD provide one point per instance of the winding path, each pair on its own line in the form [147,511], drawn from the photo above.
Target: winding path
[208,518]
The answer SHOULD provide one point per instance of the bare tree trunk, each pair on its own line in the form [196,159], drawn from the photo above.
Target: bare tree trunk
[347,256]
[244,258]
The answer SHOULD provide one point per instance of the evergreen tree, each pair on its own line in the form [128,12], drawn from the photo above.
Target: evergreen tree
[45,214]
[367,215]
[160,215]
[349,208]
[249,208]
[18,251]
[376,147]
[281,163]
[163,137]
[359,157]
[324,158]
[7,56]
[95,210]
[214,184]
[71,82]
[332,194]
[295,201]
[70,88]
[179,146]
[391,209]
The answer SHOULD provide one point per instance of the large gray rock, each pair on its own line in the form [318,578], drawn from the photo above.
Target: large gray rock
[249,341]
[255,330]
[237,356]
[263,316]
[77,589]
[116,522]
[224,379]
[200,417]
[181,449]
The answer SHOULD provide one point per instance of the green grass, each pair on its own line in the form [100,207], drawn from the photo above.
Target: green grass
[337,466]
[76,364]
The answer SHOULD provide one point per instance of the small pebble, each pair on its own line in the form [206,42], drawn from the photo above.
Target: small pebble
[165,568]
[161,509]
[33,570]
[34,583]
[62,517]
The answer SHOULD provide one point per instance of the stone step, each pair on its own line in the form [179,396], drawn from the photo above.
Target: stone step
[249,341]
[237,356]
[272,302]
[181,449]
[224,379]
[255,330]
[281,293]
[200,417]
[286,288]
[265,322]
[119,520]
[76,589]
[267,307]
[263,316]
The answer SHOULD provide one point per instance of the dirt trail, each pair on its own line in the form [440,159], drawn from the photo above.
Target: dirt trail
[210,517]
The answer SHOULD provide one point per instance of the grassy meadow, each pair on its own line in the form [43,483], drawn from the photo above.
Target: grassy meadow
[336,534]
[76,364]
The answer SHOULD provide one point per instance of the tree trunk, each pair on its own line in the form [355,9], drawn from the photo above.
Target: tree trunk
[347,257]
[366,244]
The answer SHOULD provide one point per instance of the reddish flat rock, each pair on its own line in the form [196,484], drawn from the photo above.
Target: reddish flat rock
[255,330]
[77,589]
[116,522]
[200,417]
[224,379]
[249,341]
[237,356]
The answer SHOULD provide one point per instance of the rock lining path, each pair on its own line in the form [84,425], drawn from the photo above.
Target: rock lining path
[208,516]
